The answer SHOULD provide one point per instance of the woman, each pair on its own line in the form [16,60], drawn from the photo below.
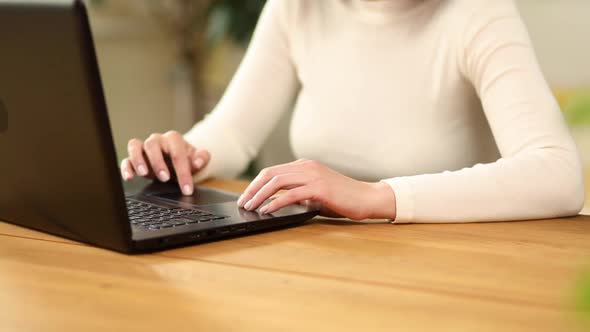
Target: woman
[439,105]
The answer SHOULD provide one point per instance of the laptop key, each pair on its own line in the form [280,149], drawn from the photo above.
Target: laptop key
[179,221]
[156,217]
[196,218]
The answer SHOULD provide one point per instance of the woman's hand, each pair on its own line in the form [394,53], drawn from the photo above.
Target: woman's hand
[309,180]
[147,159]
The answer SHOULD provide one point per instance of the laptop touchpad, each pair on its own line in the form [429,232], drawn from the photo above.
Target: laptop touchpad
[201,196]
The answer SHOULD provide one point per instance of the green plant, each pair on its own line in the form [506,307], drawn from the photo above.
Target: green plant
[222,19]
[233,19]
[196,26]
[577,111]
[582,298]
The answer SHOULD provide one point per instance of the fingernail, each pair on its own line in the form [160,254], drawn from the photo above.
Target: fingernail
[126,175]
[199,163]
[264,209]
[187,190]
[241,201]
[164,176]
[142,170]
[248,205]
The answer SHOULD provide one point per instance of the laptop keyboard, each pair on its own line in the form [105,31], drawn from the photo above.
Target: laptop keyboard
[154,217]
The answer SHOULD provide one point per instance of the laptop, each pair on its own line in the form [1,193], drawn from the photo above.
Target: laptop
[58,169]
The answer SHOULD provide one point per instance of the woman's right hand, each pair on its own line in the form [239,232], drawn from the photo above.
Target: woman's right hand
[147,159]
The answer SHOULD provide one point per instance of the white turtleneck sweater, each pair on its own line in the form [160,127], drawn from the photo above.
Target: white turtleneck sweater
[441,99]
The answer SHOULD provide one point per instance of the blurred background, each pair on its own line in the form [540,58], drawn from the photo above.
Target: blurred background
[165,63]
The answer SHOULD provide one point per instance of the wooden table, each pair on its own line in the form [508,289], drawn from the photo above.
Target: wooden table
[323,276]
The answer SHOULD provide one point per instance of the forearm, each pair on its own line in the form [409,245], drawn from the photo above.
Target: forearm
[544,183]
[229,156]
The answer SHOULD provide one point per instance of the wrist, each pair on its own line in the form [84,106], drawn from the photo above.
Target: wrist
[382,201]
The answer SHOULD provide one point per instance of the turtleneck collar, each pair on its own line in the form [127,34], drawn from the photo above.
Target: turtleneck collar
[383,11]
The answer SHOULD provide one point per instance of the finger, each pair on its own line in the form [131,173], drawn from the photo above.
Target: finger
[127,170]
[153,151]
[199,158]
[290,197]
[266,175]
[135,149]
[283,181]
[178,150]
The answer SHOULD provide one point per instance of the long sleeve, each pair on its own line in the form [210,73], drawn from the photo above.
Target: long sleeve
[539,174]
[262,88]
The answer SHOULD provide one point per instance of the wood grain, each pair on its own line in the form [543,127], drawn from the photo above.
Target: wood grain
[325,275]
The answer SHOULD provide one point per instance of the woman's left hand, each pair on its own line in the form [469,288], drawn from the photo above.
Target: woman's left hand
[308,180]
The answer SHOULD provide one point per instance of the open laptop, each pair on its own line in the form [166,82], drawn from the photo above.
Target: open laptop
[58,169]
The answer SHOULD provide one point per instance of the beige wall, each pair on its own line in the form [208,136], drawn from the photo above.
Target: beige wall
[135,60]
[560,30]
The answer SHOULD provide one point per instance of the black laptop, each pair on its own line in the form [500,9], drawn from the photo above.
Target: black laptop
[58,169]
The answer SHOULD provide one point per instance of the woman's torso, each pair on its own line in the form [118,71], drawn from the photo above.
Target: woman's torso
[382,93]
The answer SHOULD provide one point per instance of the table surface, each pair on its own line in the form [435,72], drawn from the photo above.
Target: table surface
[324,275]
